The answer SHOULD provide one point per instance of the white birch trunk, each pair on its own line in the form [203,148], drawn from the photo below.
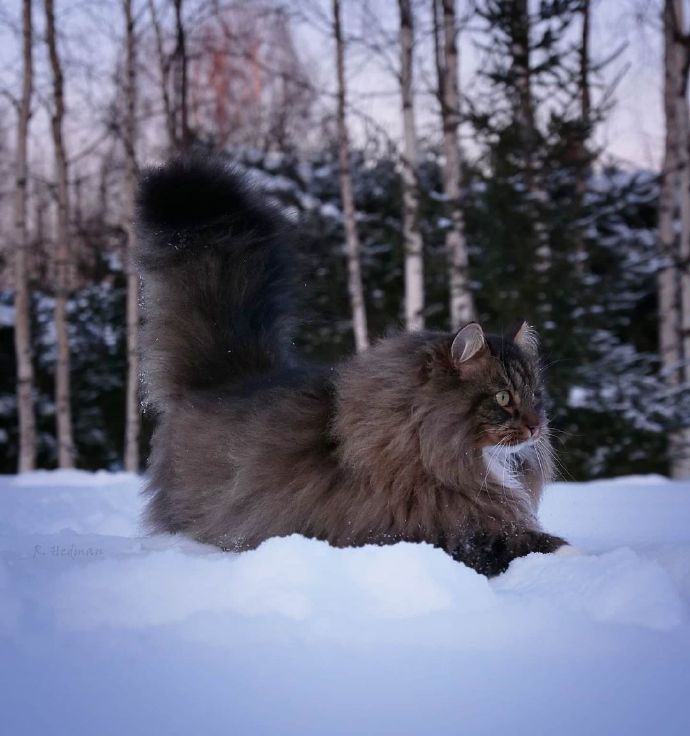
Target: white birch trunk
[681,459]
[22,300]
[62,253]
[132,415]
[164,70]
[354,281]
[445,35]
[181,106]
[674,227]
[412,239]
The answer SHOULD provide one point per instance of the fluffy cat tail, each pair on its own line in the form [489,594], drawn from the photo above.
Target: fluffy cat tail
[215,263]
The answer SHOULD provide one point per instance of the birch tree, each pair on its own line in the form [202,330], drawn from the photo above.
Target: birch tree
[412,239]
[445,38]
[22,300]
[354,280]
[674,227]
[182,133]
[132,417]
[63,410]
[164,71]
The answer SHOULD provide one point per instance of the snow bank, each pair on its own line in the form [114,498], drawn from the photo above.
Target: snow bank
[106,630]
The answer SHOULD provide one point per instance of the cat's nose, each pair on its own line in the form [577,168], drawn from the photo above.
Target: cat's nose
[531,423]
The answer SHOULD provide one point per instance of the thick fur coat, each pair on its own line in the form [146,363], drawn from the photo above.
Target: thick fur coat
[425,437]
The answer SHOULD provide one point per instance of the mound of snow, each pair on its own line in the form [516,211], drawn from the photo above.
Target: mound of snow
[106,630]
[618,586]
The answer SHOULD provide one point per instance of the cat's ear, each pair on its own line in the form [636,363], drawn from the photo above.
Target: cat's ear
[468,343]
[527,339]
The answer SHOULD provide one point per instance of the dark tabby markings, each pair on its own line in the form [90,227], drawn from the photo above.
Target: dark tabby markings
[490,554]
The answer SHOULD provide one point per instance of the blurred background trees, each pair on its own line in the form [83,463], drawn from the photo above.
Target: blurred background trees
[420,196]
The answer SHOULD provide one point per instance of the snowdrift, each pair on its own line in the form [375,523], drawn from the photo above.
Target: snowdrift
[106,630]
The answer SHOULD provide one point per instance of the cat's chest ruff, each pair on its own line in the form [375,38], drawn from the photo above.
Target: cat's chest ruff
[505,464]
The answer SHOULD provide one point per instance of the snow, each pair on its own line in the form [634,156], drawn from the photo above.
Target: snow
[578,397]
[7,315]
[329,211]
[106,630]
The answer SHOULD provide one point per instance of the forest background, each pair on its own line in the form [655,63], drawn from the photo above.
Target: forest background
[441,161]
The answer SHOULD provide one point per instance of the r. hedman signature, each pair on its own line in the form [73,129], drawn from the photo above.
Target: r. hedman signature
[70,551]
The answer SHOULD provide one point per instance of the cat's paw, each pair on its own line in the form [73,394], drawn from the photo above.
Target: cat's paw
[568,550]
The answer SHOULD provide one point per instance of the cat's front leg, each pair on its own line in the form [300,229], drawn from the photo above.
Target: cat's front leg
[490,553]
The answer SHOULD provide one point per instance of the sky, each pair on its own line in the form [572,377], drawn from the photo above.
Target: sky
[633,132]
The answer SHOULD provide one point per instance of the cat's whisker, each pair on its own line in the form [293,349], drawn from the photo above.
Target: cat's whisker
[546,448]
[509,472]
[556,430]
[560,434]
[507,469]
[537,452]
[484,484]
[494,450]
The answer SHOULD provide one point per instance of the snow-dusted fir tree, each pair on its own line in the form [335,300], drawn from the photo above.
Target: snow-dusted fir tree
[585,342]
[528,68]
[514,28]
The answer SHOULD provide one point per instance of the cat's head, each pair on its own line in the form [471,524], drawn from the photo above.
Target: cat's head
[496,382]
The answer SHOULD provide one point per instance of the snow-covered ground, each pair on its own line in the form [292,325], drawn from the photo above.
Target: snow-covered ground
[104,630]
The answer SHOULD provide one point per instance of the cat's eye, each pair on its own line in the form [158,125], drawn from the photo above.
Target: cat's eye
[503,398]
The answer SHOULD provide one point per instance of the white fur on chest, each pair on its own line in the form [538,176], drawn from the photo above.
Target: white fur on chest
[503,464]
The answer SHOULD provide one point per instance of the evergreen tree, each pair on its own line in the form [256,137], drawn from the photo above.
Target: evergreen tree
[552,242]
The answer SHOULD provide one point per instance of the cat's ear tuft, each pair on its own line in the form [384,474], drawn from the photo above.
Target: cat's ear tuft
[468,343]
[527,339]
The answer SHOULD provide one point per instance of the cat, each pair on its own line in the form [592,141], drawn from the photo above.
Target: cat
[425,437]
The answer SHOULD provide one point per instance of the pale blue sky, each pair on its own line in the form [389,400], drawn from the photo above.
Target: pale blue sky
[634,131]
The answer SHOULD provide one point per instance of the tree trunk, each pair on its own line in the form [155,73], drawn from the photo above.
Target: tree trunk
[412,239]
[524,111]
[445,36]
[354,281]
[674,228]
[22,300]
[668,288]
[164,67]
[62,254]
[585,96]
[682,466]
[181,107]
[583,169]
[39,263]
[132,417]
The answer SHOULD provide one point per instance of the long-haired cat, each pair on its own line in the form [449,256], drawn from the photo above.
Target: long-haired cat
[426,437]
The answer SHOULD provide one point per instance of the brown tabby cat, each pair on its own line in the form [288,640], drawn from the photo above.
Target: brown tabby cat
[426,437]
